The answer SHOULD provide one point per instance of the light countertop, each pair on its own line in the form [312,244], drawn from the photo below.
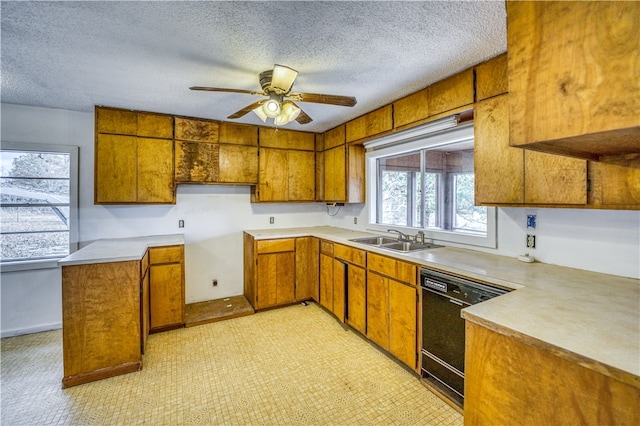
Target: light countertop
[590,318]
[119,249]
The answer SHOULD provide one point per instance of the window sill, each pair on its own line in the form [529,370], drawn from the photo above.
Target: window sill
[29,265]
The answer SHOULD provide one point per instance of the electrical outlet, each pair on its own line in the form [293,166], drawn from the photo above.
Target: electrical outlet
[181,223]
[355,220]
[531,241]
[272,220]
[215,282]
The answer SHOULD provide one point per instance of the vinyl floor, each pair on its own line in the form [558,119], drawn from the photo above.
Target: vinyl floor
[291,366]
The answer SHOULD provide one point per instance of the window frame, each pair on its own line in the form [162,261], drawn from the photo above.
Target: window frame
[72,150]
[431,135]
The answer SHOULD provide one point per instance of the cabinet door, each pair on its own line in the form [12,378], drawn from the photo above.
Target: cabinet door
[326,281]
[450,93]
[554,179]
[286,278]
[276,279]
[115,169]
[272,176]
[307,264]
[402,322]
[356,295]
[301,185]
[155,171]
[378,309]
[499,168]
[335,174]
[238,164]
[196,162]
[166,295]
[339,286]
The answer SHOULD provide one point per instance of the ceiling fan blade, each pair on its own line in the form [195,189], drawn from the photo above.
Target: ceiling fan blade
[246,109]
[317,98]
[302,118]
[282,78]
[220,89]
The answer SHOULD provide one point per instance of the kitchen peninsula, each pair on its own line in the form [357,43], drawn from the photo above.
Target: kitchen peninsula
[107,310]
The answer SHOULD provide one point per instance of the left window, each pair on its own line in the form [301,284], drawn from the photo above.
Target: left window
[38,205]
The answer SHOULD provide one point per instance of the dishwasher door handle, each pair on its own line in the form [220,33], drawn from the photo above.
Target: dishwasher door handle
[456,302]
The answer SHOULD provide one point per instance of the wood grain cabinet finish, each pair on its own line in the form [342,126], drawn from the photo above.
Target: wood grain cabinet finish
[101,321]
[285,175]
[344,169]
[491,78]
[410,109]
[197,150]
[133,157]
[166,288]
[392,299]
[507,175]
[508,381]
[238,154]
[350,280]
[307,266]
[573,77]
[451,93]
[371,124]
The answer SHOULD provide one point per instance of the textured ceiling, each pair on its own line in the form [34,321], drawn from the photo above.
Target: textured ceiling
[145,55]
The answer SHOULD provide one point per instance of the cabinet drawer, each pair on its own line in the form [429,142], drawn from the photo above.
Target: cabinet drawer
[351,255]
[165,254]
[397,269]
[326,248]
[275,246]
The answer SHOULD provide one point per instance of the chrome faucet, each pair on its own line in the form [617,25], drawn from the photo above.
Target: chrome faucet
[419,237]
[401,235]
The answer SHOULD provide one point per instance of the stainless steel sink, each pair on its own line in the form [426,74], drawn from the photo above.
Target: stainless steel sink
[405,246]
[376,241]
[394,244]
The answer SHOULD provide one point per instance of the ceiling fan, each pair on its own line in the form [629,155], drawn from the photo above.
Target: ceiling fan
[280,103]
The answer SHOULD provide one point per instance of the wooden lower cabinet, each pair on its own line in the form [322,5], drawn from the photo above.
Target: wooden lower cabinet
[510,382]
[307,264]
[403,308]
[357,298]
[166,288]
[378,309]
[276,279]
[101,321]
[326,281]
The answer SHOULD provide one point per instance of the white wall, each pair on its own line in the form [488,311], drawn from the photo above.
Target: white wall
[602,241]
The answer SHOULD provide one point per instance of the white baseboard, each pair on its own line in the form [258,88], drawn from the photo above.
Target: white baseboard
[31,330]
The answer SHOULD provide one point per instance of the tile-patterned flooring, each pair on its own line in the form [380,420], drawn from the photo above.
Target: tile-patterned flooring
[291,366]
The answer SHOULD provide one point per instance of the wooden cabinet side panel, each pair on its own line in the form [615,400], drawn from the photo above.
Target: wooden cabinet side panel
[357,298]
[99,330]
[326,281]
[301,177]
[249,269]
[554,179]
[272,175]
[509,382]
[378,309]
[155,171]
[499,168]
[403,322]
[580,62]
[116,168]
[166,293]
[238,164]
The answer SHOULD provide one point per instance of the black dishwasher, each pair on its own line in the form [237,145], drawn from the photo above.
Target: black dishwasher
[443,297]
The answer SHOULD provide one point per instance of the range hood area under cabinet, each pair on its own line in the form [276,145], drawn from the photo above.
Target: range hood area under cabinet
[574,87]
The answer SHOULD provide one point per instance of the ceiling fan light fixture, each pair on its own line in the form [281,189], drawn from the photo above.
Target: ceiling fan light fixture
[260,113]
[289,113]
[272,107]
[282,78]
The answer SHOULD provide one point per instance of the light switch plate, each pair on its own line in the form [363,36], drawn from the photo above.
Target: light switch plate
[531,221]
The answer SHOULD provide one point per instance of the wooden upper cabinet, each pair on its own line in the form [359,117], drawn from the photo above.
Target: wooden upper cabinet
[334,137]
[499,168]
[115,169]
[285,175]
[286,139]
[238,164]
[491,78]
[554,179]
[371,124]
[573,77]
[344,179]
[194,129]
[615,185]
[155,171]
[116,121]
[239,134]
[411,108]
[197,150]
[301,176]
[155,125]
[450,93]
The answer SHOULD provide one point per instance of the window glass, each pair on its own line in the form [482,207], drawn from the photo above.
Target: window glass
[35,204]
